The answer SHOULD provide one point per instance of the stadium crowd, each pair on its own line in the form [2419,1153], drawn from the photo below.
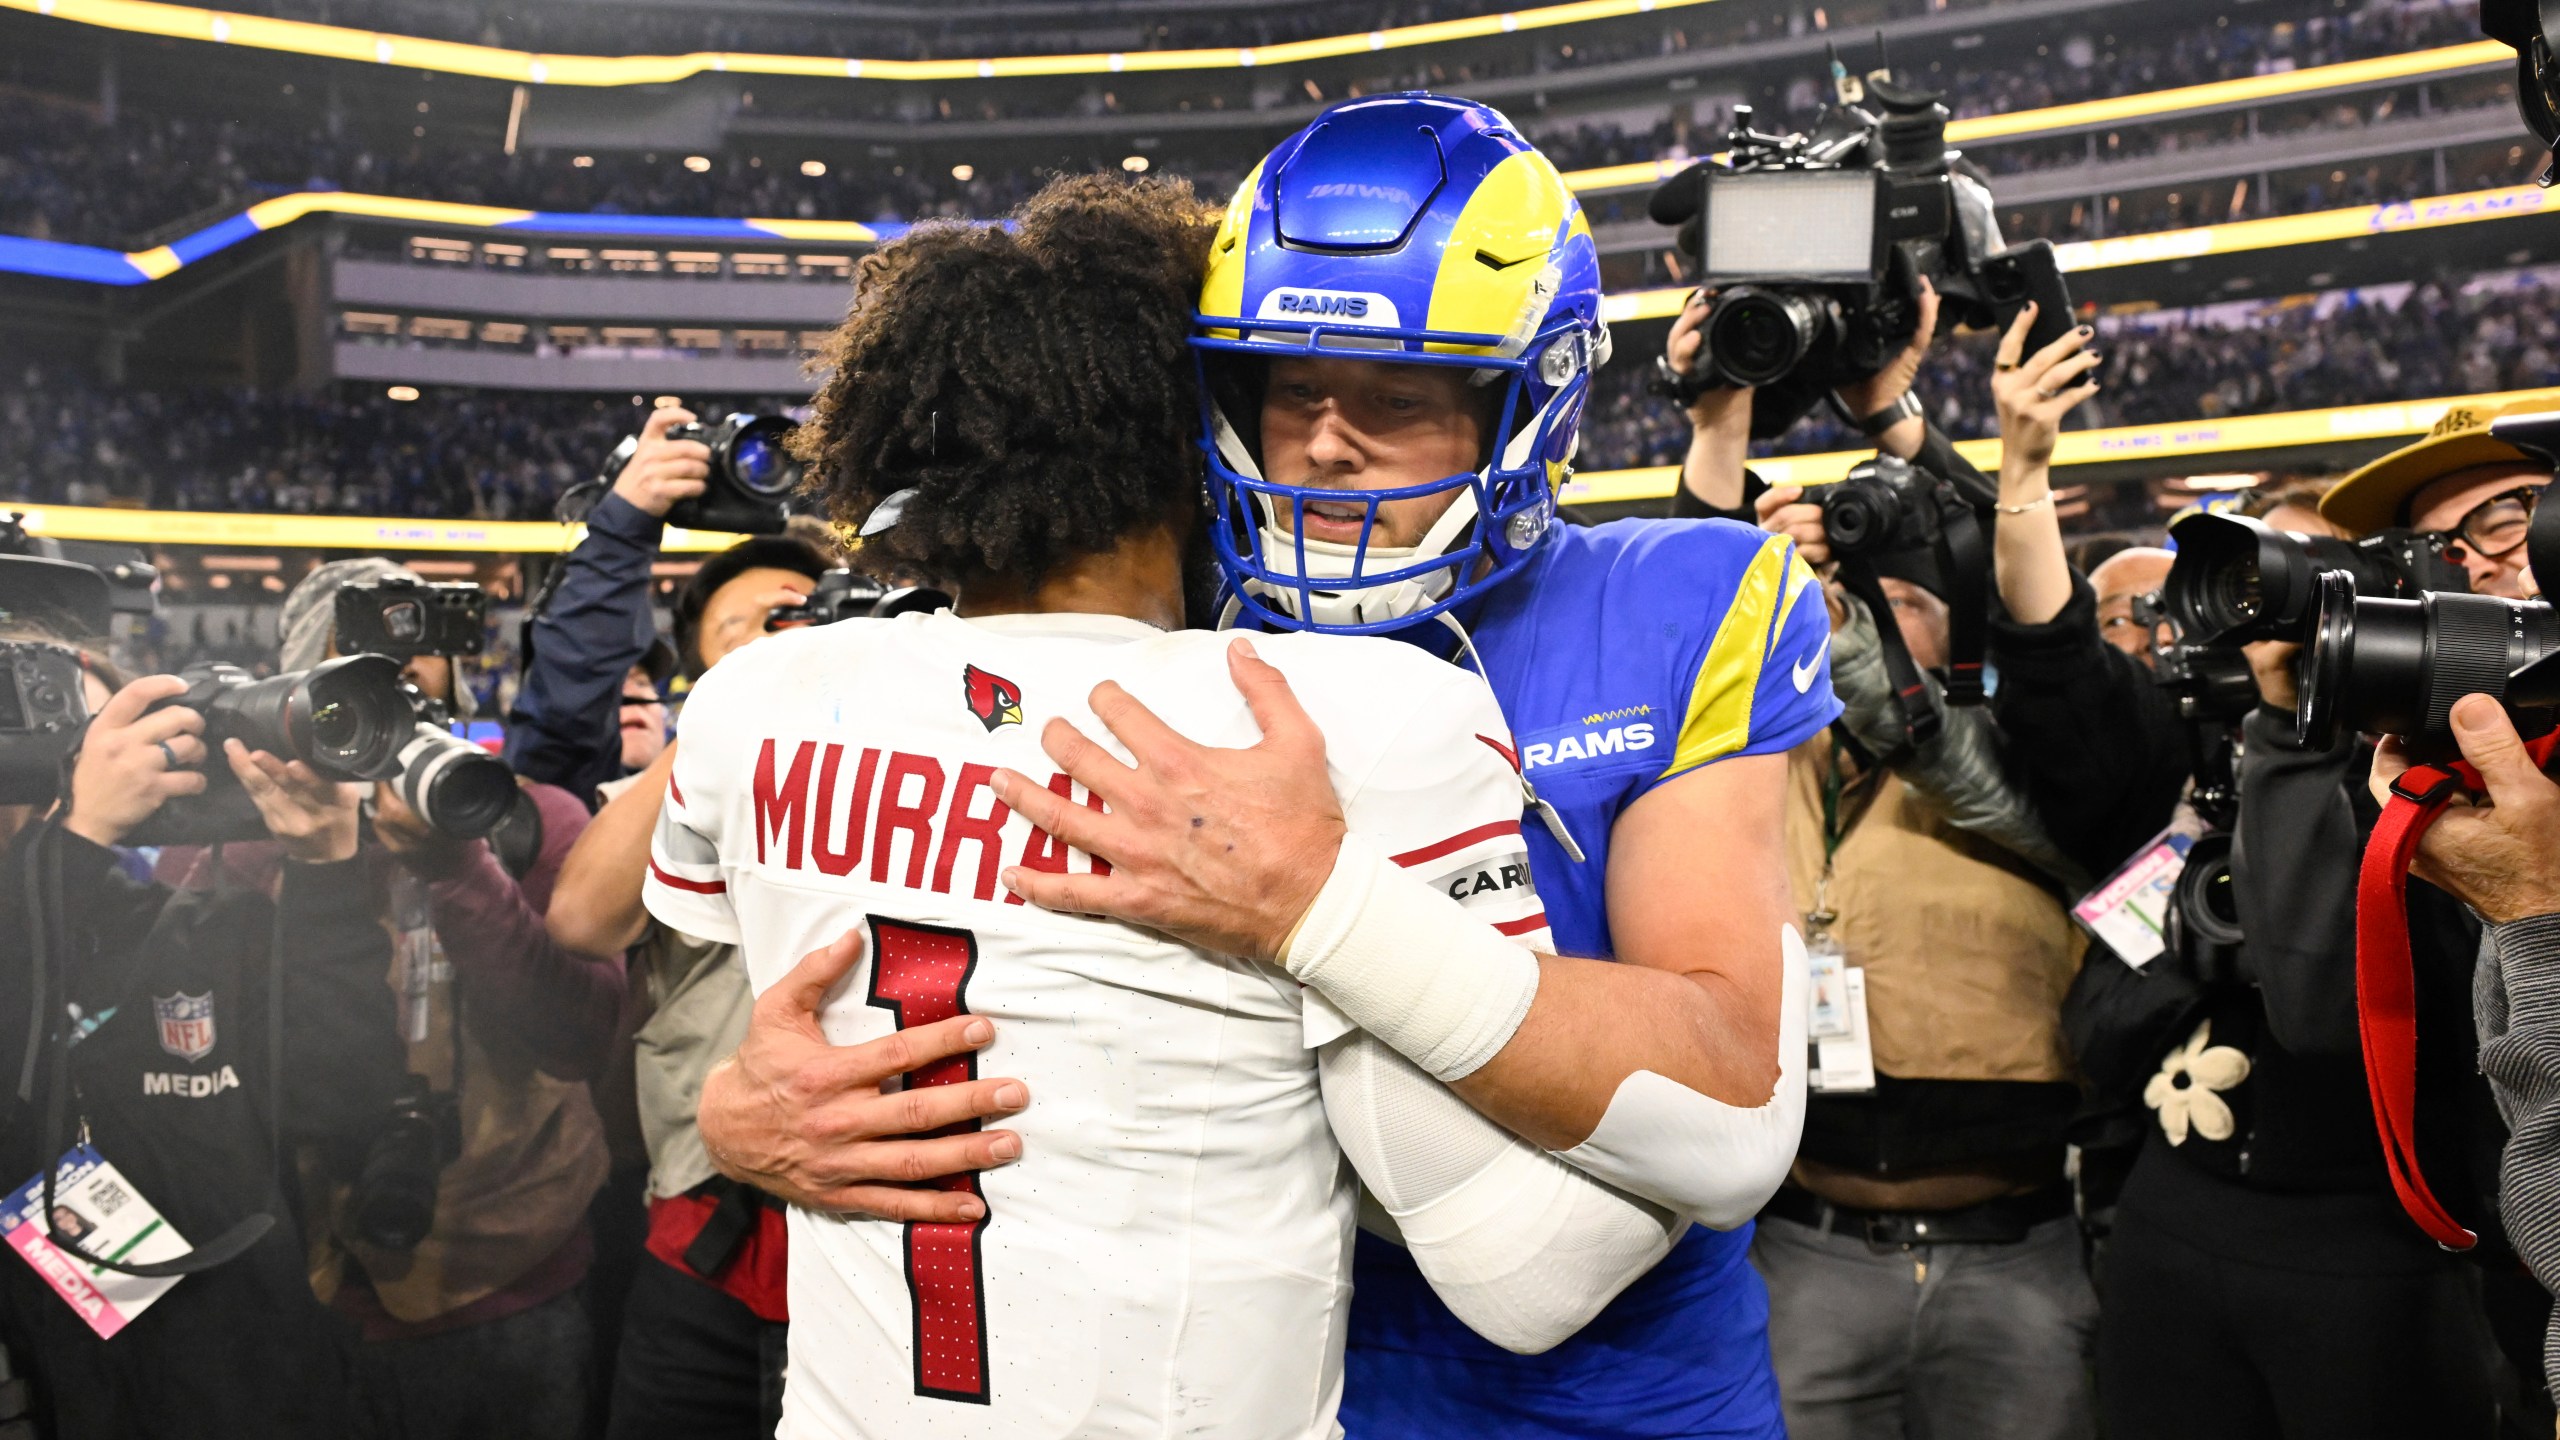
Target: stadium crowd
[2309,352]
[147,175]
[350,450]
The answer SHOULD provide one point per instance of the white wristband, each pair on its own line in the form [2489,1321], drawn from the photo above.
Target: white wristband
[1409,965]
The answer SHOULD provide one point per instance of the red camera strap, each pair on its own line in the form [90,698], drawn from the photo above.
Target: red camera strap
[2386,980]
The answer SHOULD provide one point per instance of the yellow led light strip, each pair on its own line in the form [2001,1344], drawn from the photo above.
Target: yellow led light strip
[2092,447]
[2235,237]
[530,537]
[327,532]
[336,42]
[300,37]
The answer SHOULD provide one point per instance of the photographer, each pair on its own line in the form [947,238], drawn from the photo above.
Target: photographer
[702,1344]
[1923,1262]
[184,1108]
[476,1324]
[593,661]
[2260,1276]
[2500,855]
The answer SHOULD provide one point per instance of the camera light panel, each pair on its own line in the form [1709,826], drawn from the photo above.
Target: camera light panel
[1803,224]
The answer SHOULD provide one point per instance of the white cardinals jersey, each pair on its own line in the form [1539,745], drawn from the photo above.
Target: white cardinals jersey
[1170,1254]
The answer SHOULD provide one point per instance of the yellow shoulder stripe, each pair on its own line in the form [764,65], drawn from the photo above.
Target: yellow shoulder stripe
[1719,718]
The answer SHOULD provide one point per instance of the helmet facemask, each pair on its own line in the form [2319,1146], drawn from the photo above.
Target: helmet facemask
[1497,512]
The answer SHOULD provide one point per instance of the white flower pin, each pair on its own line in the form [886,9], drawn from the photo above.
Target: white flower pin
[2184,1090]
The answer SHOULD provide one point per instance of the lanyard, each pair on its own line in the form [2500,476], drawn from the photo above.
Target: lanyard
[1835,788]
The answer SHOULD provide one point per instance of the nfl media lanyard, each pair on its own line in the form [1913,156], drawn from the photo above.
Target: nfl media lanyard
[2386,979]
[1834,832]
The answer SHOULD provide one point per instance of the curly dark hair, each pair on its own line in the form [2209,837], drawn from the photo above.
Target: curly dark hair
[1031,383]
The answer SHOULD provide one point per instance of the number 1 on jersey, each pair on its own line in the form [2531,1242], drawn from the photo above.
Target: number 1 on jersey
[918,975]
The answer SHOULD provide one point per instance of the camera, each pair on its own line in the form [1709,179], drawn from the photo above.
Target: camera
[752,474]
[2202,926]
[843,594]
[1886,504]
[393,1204]
[349,719]
[1889,507]
[2238,580]
[2394,665]
[42,712]
[408,618]
[1815,245]
[363,725]
[455,786]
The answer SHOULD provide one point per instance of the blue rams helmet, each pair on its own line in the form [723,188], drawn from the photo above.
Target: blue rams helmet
[1413,229]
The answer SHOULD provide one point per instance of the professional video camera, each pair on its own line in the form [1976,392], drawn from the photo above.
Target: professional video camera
[752,474]
[843,594]
[1815,245]
[119,580]
[2394,666]
[2238,580]
[2533,29]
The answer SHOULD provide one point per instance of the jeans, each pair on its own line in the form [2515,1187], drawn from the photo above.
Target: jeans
[523,1377]
[1930,1342]
[697,1364]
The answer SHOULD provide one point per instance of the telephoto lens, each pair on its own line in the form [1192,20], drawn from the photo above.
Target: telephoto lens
[393,1205]
[2395,667]
[2204,912]
[346,718]
[452,784]
[2237,579]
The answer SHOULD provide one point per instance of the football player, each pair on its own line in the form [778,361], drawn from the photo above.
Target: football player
[1397,335]
[1169,1248]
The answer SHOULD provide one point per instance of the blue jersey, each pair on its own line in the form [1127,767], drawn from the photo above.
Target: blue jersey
[1624,655]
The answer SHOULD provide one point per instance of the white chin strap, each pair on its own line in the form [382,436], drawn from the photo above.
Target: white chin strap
[1330,560]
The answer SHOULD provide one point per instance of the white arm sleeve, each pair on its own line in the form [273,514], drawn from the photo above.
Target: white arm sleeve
[1520,1245]
[1716,1163]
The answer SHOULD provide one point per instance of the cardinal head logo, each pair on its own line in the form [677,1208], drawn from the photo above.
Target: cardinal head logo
[992,698]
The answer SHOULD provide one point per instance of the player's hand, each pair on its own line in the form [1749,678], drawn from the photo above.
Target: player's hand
[1222,849]
[2498,854]
[131,763]
[797,1117]
[312,818]
[661,471]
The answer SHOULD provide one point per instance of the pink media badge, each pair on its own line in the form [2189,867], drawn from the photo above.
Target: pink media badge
[96,1209]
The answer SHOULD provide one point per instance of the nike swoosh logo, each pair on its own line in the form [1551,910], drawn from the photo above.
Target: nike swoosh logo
[1804,672]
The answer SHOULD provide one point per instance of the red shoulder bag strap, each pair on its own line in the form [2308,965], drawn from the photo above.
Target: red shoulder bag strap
[2386,981]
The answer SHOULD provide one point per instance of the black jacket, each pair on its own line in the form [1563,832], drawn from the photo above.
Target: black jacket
[565,727]
[242,1349]
[2097,746]
[2296,853]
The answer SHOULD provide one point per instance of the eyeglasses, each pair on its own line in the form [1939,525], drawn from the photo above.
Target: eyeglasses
[2491,529]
